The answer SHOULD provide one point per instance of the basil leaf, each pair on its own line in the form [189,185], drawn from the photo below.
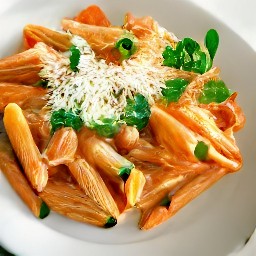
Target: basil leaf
[137,112]
[106,127]
[214,91]
[191,47]
[212,42]
[174,89]
[61,118]
[189,56]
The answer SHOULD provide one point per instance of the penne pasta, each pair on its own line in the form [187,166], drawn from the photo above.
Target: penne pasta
[24,146]
[12,171]
[158,214]
[101,39]
[102,155]
[62,147]
[28,96]
[92,184]
[21,68]
[32,34]
[65,197]
[93,15]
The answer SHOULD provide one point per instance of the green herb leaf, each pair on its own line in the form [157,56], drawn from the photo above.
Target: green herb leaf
[44,211]
[125,172]
[189,56]
[137,112]
[61,118]
[41,83]
[201,151]
[214,91]
[174,89]
[126,47]
[106,127]
[4,252]
[74,57]
[111,222]
[166,201]
[212,42]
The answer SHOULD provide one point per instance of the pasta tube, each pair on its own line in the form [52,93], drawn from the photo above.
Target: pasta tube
[22,95]
[24,146]
[65,197]
[158,214]
[92,184]
[13,173]
[62,147]
[33,34]
[102,155]
[21,68]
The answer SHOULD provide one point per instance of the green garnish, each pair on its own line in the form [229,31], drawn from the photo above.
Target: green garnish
[41,83]
[111,222]
[137,112]
[174,89]
[4,252]
[214,91]
[61,118]
[211,42]
[166,201]
[44,211]
[189,56]
[74,57]
[126,47]
[125,172]
[201,151]
[106,127]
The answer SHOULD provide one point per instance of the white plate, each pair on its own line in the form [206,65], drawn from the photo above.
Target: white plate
[216,223]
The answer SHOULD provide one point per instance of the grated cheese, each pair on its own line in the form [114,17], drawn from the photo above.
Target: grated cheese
[98,89]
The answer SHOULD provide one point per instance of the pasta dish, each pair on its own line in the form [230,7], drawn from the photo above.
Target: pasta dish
[99,119]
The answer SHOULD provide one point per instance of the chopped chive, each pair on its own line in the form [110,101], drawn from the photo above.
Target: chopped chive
[126,47]
[166,201]
[201,151]
[111,222]
[124,173]
[44,211]
[74,57]
[41,83]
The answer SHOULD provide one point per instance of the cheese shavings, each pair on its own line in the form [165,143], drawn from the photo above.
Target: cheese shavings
[98,89]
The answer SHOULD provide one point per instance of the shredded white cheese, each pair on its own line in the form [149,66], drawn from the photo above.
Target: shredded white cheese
[98,89]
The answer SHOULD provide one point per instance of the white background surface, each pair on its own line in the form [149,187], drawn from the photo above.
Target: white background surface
[240,16]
